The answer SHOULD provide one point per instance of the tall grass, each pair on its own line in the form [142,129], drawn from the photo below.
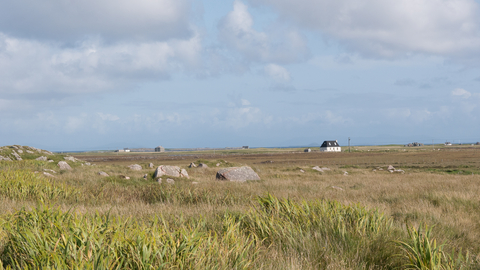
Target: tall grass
[49,238]
[25,185]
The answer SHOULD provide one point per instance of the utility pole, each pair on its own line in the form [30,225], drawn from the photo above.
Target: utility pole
[349,144]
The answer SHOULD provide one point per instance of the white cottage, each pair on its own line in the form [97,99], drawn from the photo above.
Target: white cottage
[330,146]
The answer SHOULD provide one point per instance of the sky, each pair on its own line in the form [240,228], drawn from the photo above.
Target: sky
[109,74]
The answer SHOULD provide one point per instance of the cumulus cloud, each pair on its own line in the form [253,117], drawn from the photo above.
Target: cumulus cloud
[48,70]
[390,28]
[461,93]
[238,32]
[277,72]
[111,19]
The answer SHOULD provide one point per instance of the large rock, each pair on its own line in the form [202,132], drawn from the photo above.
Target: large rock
[64,165]
[135,167]
[240,174]
[167,170]
[202,165]
[184,173]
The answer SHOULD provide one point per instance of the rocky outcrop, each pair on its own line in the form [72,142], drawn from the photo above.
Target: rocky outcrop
[238,174]
[5,158]
[64,165]
[135,167]
[17,156]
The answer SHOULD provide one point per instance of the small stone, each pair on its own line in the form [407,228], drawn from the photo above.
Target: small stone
[192,165]
[48,170]
[202,165]
[316,168]
[88,163]
[47,174]
[345,173]
[374,170]
[30,152]
[145,176]
[124,177]
[42,158]
[64,165]
[159,180]
[302,171]
[218,164]
[135,167]
[103,174]
[338,188]
[170,181]
[50,160]
[194,183]
[381,169]
[390,167]
[399,171]
[151,165]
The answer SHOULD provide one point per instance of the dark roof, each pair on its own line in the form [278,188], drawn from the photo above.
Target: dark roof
[329,144]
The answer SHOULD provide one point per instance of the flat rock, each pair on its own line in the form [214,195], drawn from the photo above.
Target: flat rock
[50,160]
[316,168]
[5,158]
[302,171]
[42,158]
[167,170]
[47,174]
[135,167]
[30,152]
[103,174]
[64,165]
[20,151]
[17,156]
[240,174]
[48,170]
[72,159]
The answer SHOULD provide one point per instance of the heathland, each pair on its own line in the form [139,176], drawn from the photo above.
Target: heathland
[354,215]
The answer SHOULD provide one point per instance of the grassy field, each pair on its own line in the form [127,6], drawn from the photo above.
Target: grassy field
[366,218]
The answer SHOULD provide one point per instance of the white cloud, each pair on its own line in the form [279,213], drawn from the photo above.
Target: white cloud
[53,71]
[279,45]
[390,28]
[108,117]
[111,19]
[461,93]
[277,72]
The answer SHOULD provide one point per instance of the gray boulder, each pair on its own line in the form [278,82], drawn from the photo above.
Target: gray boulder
[64,165]
[167,170]
[184,173]
[135,167]
[42,158]
[239,174]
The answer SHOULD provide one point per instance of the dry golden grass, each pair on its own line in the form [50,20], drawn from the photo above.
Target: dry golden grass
[439,188]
